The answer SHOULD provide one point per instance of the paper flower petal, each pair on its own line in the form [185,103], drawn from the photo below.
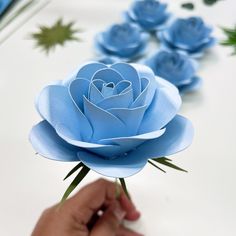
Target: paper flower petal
[164,107]
[191,87]
[131,118]
[88,69]
[129,73]
[56,106]
[178,136]
[81,85]
[121,167]
[47,143]
[105,125]
[108,75]
[108,151]
[118,101]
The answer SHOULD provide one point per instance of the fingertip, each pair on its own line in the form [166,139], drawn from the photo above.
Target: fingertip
[133,216]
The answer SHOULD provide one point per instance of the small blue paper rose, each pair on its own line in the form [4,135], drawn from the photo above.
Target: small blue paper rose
[150,15]
[177,68]
[111,118]
[190,35]
[125,41]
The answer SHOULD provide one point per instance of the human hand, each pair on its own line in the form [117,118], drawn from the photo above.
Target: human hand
[95,211]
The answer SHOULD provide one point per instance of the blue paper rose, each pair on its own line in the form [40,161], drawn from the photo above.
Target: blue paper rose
[150,15]
[177,68]
[125,41]
[111,118]
[190,35]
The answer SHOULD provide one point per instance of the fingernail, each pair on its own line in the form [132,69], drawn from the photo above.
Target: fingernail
[119,212]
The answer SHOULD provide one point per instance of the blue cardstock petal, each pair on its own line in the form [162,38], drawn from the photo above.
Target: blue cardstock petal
[121,167]
[95,89]
[177,137]
[79,88]
[88,70]
[130,117]
[108,75]
[47,143]
[129,73]
[163,109]
[56,106]
[105,125]
[122,100]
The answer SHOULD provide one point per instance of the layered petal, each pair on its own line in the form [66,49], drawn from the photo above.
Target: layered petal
[163,108]
[47,143]
[121,167]
[56,106]
[177,137]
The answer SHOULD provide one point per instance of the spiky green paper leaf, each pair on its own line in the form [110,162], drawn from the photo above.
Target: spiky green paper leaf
[47,38]
[231,38]
[156,166]
[74,170]
[210,2]
[188,5]
[166,162]
[80,176]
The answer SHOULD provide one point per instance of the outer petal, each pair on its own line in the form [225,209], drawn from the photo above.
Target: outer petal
[121,167]
[164,107]
[47,143]
[106,151]
[195,84]
[178,136]
[56,106]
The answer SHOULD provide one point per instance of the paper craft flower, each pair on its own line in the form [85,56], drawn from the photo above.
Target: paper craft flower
[190,35]
[125,41]
[150,15]
[177,68]
[111,118]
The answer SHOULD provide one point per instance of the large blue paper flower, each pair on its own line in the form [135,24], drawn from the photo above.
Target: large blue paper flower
[111,118]
[125,41]
[177,68]
[150,15]
[190,35]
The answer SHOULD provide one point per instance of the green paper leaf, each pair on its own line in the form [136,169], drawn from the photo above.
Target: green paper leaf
[230,38]
[210,2]
[84,171]
[123,185]
[74,170]
[156,166]
[166,162]
[47,38]
[188,6]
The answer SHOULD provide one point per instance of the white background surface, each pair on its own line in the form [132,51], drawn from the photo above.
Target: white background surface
[202,202]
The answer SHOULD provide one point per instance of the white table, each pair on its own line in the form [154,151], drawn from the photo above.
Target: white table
[202,202]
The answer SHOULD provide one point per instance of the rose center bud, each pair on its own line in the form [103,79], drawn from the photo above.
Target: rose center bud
[122,33]
[108,89]
[149,7]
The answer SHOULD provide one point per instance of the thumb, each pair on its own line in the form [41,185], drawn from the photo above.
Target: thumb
[110,221]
